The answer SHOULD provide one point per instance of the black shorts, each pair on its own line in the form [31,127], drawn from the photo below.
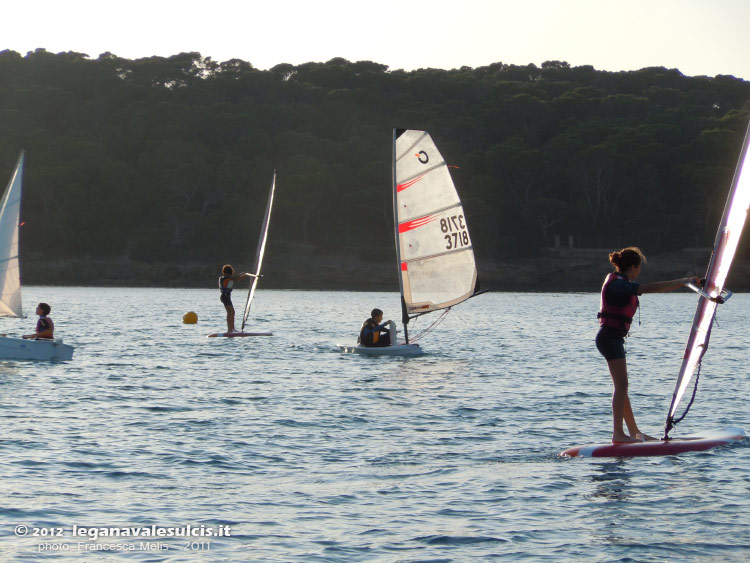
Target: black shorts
[611,343]
[384,340]
[227,300]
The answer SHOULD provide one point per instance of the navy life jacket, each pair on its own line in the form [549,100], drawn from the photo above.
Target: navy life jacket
[225,285]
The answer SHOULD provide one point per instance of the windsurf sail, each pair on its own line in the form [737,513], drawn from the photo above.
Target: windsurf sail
[10,271]
[259,253]
[725,246]
[433,248]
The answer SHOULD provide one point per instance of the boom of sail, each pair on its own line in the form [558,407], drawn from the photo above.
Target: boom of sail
[725,246]
[10,271]
[260,252]
[433,247]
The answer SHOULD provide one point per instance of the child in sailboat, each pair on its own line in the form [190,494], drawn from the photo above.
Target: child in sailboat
[373,332]
[226,281]
[45,328]
[619,303]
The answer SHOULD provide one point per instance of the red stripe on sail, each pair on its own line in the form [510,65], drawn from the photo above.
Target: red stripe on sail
[410,225]
[409,184]
[403,266]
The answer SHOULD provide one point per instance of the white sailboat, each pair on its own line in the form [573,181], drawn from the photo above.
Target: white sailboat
[261,250]
[434,254]
[10,281]
[710,296]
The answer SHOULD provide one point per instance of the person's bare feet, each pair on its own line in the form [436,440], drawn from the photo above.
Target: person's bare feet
[623,439]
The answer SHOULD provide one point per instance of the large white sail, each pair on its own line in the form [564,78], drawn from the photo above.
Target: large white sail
[725,246]
[260,252]
[434,251]
[10,272]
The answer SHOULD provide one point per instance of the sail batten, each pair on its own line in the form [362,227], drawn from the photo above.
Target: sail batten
[10,271]
[725,246]
[433,247]
[405,181]
[260,251]
[405,263]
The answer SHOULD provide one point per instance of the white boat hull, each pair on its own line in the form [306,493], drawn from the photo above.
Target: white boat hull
[41,350]
[396,350]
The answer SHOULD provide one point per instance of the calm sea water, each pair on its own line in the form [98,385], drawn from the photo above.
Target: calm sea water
[306,454]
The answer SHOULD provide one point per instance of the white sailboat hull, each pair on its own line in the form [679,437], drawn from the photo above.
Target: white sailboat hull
[40,350]
[396,350]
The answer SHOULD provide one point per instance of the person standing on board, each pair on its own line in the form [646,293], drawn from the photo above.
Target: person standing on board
[45,328]
[619,303]
[226,281]
[373,332]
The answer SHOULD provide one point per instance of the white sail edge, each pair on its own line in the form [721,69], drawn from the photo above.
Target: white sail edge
[10,271]
[260,251]
[725,246]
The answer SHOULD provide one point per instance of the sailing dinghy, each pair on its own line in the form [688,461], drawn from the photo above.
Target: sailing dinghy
[256,273]
[434,254]
[711,295]
[10,281]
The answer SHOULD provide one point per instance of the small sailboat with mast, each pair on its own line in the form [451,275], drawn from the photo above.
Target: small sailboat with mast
[434,253]
[11,348]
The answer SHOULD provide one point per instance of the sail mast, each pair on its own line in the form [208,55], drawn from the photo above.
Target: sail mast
[404,312]
[725,246]
[260,252]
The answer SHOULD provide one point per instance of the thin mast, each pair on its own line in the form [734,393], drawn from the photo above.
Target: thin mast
[725,246]
[404,313]
[259,253]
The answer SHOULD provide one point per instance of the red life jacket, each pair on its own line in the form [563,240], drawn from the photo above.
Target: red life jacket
[616,317]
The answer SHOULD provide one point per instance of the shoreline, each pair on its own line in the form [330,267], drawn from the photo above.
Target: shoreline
[560,269]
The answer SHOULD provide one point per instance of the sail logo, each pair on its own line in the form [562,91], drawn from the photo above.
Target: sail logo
[422,157]
[409,184]
[416,223]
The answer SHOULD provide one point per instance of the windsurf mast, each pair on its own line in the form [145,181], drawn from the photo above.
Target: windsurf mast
[725,246]
[260,251]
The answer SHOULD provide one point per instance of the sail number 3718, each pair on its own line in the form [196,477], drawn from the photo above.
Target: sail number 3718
[455,231]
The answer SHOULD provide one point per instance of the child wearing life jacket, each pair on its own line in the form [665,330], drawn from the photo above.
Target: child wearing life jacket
[373,332]
[45,328]
[619,303]
[226,281]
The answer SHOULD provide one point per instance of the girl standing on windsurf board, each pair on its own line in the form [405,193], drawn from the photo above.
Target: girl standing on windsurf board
[226,281]
[619,303]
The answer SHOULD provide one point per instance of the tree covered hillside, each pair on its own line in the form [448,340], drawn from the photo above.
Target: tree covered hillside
[168,160]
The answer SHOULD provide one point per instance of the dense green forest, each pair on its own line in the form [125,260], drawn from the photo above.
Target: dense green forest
[168,160]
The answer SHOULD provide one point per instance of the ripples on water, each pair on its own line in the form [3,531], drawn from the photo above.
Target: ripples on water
[311,455]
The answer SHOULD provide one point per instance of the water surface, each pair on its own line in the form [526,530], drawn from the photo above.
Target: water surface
[310,455]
